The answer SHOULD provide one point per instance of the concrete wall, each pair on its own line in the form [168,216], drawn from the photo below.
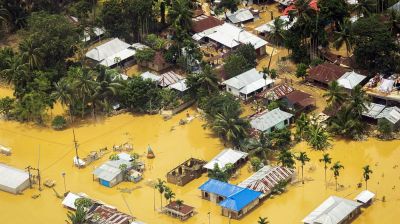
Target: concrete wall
[16,190]
[232,90]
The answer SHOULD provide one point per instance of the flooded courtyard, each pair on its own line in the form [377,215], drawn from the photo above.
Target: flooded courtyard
[172,144]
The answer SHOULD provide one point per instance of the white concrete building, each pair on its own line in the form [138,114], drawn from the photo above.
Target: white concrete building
[13,180]
[271,120]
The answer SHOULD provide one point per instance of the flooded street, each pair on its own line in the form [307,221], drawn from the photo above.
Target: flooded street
[172,145]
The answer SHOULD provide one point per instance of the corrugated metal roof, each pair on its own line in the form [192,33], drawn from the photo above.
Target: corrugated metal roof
[180,85]
[395,7]
[269,119]
[225,157]
[246,80]
[373,110]
[69,200]
[392,114]
[364,196]
[107,49]
[169,78]
[110,170]
[350,80]
[266,178]
[151,76]
[12,177]
[254,86]
[270,26]
[220,188]
[332,211]
[122,55]
[241,15]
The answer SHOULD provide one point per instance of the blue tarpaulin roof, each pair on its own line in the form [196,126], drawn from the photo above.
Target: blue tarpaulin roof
[236,197]
[240,200]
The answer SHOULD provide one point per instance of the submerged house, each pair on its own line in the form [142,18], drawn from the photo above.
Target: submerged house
[187,171]
[248,84]
[235,201]
[227,156]
[385,90]
[241,16]
[365,197]
[181,212]
[110,173]
[334,210]
[100,213]
[392,115]
[350,80]
[266,178]
[13,180]
[271,120]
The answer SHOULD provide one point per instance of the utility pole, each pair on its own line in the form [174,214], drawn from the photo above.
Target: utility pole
[29,173]
[76,149]
[38,170]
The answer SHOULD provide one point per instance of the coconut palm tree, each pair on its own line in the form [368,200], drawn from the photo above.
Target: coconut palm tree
[335,95]
[344,36]
[317,137]
[168,194]
[277,34]
[359,101]
[260,147]
[326,159]
[16,73]
[179,203]
[346,123]
[229,127]
[180,15]
[262,220]
[336,171]
[303,159]
[285,158]
[302,124]
[77,217]
[366,172]
[30,54]
[364,7]
[63,94]
[84,84]
[160,186]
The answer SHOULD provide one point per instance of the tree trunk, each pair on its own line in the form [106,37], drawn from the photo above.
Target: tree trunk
[161,201]
[325,177]
[336,182]
[302,175]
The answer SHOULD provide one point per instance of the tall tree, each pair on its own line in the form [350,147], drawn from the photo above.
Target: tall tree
[366,172]
[302,124]
[303,159]
[168,194]
[317,137]
[30,54]
[364,7]
[286,159]
[344,36]
[335,96]
[326,159]
[160,186]
[336,171]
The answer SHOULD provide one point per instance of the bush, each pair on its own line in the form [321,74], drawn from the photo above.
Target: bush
[301,70]
[59,123]
[256,164]
[385,128]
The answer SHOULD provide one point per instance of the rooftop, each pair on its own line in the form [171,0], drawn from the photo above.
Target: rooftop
[392,114]
[373,110]
[270,26]
[277,92]
[351,79]
[248,81]
[332,211]
[12,177]
[385,88]
[364,196]
[204,22]
[240,16]
[231,36]
[107,49]
[298,97]
[181,210]
[169,78]
[269,119]
[102,214]
[326,73]
[110,169]
[225,157]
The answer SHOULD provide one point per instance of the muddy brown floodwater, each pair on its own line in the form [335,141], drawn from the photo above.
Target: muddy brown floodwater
[173,144]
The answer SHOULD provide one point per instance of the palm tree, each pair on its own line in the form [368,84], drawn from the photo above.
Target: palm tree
[359,101]
[4,18]
[179,204]
[285,158]
[277,34]
[77,217]
[16,73]
[317,137]
[262,220]
[344,36]
[180,15]
[346,123]
[63,94]
[302,124]
[303,158]
[84,83]
[30,54]
[326,159]
[364,7]
[335,95]
[168,194]
[205,80]
[160,186]
[261,147]
[366,172]
[229,127]
[336,168]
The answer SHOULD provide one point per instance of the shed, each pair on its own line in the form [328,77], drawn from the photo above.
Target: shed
[391,114]
[350,80]
[13,180]
[248,84]
[365,197]
[169,78]
[227,156]
[334,210]
[271,120]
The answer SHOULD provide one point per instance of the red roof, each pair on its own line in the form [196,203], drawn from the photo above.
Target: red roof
[110,215]
[183,209]
[313,5]
[277,92]
[326,73]
[301,98]
[203,22]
